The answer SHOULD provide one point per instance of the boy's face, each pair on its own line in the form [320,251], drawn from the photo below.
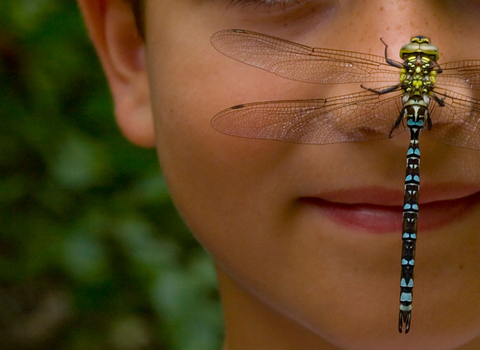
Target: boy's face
[275,216]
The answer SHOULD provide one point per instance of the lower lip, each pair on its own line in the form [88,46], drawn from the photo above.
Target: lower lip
[380,219]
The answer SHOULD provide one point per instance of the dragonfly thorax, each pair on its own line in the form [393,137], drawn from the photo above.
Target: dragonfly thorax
[417,77]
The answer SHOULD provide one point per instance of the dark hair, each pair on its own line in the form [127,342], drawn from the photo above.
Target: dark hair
[138,12]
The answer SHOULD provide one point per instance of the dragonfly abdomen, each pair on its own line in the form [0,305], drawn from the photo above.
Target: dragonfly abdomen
[415,111]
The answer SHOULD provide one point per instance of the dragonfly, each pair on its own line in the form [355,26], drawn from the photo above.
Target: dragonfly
[414,100]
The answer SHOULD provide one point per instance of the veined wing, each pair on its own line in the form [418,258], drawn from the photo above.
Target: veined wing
[360,116]
[458,122]
[464,74]
[303,63]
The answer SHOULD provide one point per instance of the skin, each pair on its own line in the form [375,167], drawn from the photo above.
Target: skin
[290,277]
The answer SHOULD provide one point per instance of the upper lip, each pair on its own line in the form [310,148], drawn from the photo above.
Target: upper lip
[376,195]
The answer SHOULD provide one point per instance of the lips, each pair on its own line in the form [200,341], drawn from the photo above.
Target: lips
[379,211]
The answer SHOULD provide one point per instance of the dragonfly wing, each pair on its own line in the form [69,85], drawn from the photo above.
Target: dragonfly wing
[360,116]
[303,63]
[458,122]
[464,74]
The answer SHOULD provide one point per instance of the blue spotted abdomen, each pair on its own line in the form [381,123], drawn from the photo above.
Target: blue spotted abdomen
[415,112]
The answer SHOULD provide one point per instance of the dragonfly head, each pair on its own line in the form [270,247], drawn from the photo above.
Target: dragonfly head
[419,44]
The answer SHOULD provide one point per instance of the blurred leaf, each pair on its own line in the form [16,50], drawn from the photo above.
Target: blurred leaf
[93,254]
[80,163]
[85,258]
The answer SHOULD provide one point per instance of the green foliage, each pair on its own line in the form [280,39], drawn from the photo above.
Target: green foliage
[92,252]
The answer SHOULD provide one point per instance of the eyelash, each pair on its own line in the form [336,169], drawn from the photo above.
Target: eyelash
[262,2]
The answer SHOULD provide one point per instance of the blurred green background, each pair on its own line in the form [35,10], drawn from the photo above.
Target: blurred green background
[92,252]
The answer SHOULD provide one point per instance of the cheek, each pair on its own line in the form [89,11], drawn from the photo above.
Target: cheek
[209,174]
[215,180]
[236,195]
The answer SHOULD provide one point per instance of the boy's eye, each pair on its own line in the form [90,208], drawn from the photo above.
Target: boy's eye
[272,15]
[283,3]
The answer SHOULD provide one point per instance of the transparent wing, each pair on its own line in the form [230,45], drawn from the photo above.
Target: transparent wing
[355,117]
[327,66]
[464,74]
[458,122]
[303,63]
[360,116]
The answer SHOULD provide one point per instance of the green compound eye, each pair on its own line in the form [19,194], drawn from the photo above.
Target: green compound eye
[419,44]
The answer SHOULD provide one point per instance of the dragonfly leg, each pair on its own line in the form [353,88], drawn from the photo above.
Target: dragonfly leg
[390,61]
[439,69]
[396,124]
[440,101]
[429,122]
[384,91]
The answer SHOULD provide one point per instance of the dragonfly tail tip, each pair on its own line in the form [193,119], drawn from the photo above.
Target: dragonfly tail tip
[404,319]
